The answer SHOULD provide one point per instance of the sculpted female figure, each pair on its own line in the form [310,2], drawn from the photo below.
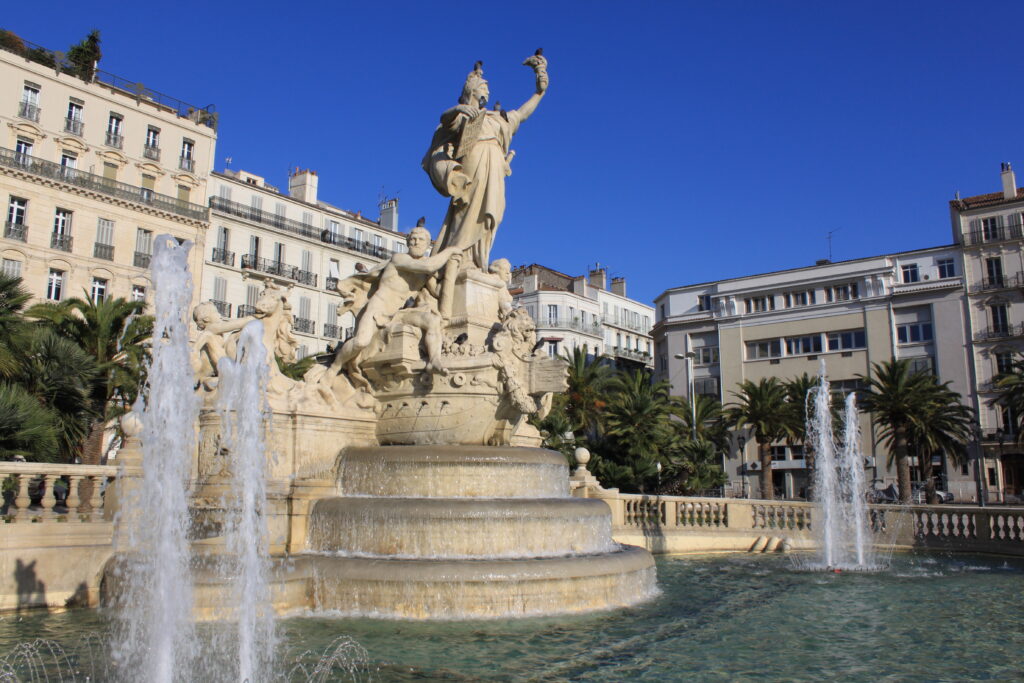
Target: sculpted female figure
[469,158]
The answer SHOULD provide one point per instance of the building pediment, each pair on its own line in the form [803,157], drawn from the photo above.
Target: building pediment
[186,179]
[113,157]
[27,130]
[72,143]
[151,169]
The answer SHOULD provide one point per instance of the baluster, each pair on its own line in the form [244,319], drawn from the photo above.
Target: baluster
[74,502]
[95,502]
[22,500]
[47,512]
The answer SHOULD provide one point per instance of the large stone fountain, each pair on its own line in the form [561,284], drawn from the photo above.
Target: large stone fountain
[406,479]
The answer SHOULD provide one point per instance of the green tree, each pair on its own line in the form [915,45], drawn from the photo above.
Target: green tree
[763,407]
[944,428]
[696,461]
[296,370]
[1010,388]
[27,428]
[704,420]
[84,55]
[589,380]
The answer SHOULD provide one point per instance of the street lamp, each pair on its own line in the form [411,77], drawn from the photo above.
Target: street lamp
[688,357]
[978,457]
[741,443]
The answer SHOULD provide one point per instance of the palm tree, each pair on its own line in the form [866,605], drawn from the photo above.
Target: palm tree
[296,370]
[637,426]
[26,427]
[914,407]
[944,427]
[1010,386]
[704,420]
[589,380]
[114,333]
[762,406]
[13,298]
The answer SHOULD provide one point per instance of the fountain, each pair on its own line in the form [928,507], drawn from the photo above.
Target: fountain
[839,483]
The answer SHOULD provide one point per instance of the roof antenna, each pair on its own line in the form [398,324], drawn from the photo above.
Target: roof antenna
[830,233]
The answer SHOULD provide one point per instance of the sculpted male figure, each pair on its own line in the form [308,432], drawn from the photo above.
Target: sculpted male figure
[404,276]
[469,158]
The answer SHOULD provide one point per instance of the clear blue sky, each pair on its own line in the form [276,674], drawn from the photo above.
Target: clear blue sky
[679,142]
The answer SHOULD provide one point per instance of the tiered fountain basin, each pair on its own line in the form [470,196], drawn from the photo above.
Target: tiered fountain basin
[457,532]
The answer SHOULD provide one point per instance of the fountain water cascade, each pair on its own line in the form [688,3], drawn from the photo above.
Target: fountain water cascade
[839,483]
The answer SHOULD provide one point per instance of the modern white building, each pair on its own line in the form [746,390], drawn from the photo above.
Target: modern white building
[575,311]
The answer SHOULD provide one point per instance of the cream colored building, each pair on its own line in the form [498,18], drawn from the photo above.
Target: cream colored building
[576,311]
[90,173]
[257,232]
[989,229]
[712,336]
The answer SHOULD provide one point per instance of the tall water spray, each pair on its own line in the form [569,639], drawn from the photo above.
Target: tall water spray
[244,411]
[839,482]
[157,638]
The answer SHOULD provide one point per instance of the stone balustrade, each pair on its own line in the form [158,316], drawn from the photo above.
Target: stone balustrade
[45,492]
[683,524]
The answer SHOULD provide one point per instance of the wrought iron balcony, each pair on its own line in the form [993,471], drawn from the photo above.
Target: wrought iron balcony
[115,140]
[1000,332]
[16,231]
[995,234]
[304,325]
[59,241]
[1002,282]
[142,259]
[91,181]
[27,110]
[333,331]
[332,285]
[186,163]
[103,251]
[223,307]
[630,325]
[151,152]
[631,354]
[593,328]
[223,256]
[245,310]
[73,125]
[253,262]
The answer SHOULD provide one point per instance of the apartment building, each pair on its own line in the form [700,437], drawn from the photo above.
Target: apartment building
[91,170]
[988,228]
[575,311]
[712,336]
[295,239]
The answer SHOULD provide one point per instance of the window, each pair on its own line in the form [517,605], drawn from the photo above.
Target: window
[73,122]
[845,387]
[333,229]
[707,355]
[23,150]
[661,308]
[913,333]
[778,452]
[109,171]
[115,126]
[758,304]
[797,299]
[552,314]
[224,192]
[254,246]
[68,160]
[992,228]
[144,241]
[11,268]
[307,218]
[62,222]
[1004,362]
[17,211]
[152,137]
[796,346]
[256,202]
[705,386]
[994,271]
[842,341]
[278,252]
[703,304]
[29,108]
[104,246]
[357,234]
[921,364]
[223,238]
[910,273]
[1000,318]
[947,268]
[842,292]
[307,261]
[148,184]
[55,285]
[138,293]
[769,348]
[99,290]
[553,349]
[187,160]
[184,193]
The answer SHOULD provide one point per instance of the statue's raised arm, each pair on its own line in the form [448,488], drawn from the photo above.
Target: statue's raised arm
[469,159]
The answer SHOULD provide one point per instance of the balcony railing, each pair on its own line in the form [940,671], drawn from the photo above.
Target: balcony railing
[996,234]
[295,227]
[186,163]
[16,231]
[27,110]
[151,152]
[223,307]
[115,140]
[332,331]
[263,265]
[1000,332]
[73,126]
[332,285]
[636,327]
[593,328]
[1002,282]
[245,310]
[112,188]
[59,241]
[223,256]
[304,325]
[103,251]
[142,259]
[631,354]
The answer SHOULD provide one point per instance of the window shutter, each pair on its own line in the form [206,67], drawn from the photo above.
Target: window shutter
[105,231]
[304,307]
[220,289]
[252,294]
[307,261]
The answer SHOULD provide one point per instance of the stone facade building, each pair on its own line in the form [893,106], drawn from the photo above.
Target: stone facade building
[91,170]
[575,311]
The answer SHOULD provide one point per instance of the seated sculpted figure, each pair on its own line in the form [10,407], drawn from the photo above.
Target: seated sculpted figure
[209,346]
[403,276]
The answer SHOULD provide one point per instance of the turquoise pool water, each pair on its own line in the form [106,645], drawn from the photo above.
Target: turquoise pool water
[720,618]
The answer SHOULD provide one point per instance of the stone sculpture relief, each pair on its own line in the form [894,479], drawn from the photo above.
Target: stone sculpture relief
[439,354]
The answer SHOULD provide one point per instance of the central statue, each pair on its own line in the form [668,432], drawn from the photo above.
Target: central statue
[469,158]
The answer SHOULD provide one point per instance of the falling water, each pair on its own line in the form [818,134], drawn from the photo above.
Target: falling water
[244,412]
[839,483]
[157,638]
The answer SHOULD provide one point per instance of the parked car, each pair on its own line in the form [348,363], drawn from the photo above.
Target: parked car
[919,495]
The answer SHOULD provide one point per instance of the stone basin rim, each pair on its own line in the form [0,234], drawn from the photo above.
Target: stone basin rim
[455,508]
[462,455]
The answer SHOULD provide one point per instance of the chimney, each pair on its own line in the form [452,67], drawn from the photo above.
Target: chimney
[579,285]
[302,185]
[1009,181]
[619,286]
[389,214]
[599,277]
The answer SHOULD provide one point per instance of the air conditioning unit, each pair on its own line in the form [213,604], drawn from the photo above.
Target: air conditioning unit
[753,467]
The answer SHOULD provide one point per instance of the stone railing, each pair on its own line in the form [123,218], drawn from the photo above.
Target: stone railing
[681,524]
[45,492]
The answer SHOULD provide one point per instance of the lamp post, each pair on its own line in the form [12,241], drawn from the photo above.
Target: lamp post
[688,357]
[658,466]
[979,453]
[741,443]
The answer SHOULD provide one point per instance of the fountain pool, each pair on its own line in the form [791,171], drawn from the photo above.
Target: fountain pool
[735,617]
